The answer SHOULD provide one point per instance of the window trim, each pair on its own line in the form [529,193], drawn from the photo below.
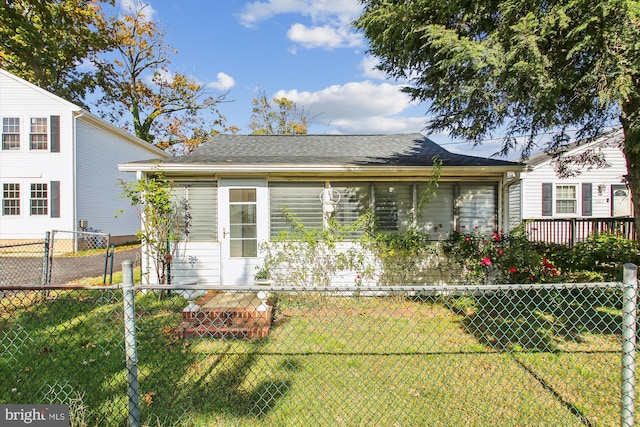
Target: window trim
[5,131]
[39,189]
[36,125]
[14,202]
[575,199]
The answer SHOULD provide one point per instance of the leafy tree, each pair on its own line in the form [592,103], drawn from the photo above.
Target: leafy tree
[283,118]
[154,204]
[519,67]
[164,108]
[44,41]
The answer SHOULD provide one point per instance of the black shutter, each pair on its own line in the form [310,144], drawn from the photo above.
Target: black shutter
[55,199]
[547,199]
[55,134]
[587,199]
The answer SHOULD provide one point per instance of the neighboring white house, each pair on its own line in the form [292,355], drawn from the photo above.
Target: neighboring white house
[592,197]
[58,166]
[236,188]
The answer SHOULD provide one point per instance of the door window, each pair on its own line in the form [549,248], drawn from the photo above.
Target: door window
[243,238]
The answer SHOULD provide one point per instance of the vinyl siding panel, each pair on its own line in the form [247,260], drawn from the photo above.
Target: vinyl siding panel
[26,167]
[601,180]
[98,153]
[196,262]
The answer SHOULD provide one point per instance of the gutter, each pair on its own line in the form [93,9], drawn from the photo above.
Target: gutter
[297,168]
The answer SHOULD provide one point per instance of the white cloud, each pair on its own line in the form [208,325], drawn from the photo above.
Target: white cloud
[330,21]
[369,71]
[223,82]
[133,6]
[343,11]
[325,36]
[357,107]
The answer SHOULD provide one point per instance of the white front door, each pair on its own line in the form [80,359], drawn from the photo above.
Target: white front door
[621,200]
[243,206]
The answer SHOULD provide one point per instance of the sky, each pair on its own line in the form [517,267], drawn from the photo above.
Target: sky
[303,50]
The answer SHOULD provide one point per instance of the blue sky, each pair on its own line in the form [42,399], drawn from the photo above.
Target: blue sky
[304,50]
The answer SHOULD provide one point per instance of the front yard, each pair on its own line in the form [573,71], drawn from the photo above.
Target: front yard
[328,360]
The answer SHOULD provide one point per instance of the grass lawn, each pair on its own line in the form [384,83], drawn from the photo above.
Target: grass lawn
[327,361]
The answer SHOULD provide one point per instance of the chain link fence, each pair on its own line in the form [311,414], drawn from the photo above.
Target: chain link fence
[60,258]
[73,255]
[23,262]
[418,356]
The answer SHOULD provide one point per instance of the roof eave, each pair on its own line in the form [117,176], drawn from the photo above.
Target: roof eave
[306,169]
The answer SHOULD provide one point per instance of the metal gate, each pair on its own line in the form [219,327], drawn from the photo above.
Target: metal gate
[73,255]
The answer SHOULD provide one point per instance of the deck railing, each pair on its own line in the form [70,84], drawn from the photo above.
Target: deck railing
[569,231]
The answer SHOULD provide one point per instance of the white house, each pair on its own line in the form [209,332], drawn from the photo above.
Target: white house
[236,187]
[58,166]
[591,199]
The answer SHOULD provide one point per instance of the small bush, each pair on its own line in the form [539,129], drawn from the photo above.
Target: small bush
[499,258]
[601,254]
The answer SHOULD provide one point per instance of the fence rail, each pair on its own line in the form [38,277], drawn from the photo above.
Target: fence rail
[550,354]
[569,231]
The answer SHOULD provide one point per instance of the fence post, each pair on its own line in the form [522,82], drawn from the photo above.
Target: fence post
[45,261]
[130,343]
[629,307]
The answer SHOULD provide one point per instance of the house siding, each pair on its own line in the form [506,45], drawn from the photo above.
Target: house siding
[601,180]
[98,193]
[26,166]
[79,165]
[196,262]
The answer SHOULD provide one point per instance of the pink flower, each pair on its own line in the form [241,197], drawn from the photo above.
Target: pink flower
[512,270]
[467,238]
[496,237]
[486,261]
[500,251]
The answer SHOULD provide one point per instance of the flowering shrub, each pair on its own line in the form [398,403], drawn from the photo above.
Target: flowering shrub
[499,258]
[602,253]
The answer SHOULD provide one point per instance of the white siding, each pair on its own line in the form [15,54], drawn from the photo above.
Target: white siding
[26,167]
[601,180]
[98,192]
[196,262]
[86,170]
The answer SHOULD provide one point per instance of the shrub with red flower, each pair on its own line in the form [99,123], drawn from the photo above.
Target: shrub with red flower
[499,258]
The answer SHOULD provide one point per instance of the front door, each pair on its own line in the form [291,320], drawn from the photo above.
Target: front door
[620,200]
[243,209]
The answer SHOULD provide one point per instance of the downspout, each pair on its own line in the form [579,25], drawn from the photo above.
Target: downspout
[74,180]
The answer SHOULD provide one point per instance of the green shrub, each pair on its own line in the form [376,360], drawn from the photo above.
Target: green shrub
[499,258]
[604,254]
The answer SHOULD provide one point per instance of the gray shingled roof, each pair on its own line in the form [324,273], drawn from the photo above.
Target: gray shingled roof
[358,150]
